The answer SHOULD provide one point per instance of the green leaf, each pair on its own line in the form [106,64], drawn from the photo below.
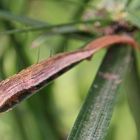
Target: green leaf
[73,3]
[71,27]
[134,18]
[133,4]
[21,19]
[133,91]
[95,115]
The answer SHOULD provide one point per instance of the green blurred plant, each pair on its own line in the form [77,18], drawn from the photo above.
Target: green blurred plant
[42,116]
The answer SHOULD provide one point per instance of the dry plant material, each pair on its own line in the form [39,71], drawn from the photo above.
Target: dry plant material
[28,81]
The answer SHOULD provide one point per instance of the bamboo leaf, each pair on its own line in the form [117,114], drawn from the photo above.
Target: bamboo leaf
[93,120]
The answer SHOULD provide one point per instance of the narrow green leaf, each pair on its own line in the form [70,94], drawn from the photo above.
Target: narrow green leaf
[75,26]
[94,118]
[74,3]
[134,18]
[134,4]
[133,91]
[22,19]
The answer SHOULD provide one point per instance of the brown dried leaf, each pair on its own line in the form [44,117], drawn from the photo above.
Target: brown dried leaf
[28,81]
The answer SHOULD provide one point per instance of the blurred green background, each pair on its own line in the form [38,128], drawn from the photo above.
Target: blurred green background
[50,114]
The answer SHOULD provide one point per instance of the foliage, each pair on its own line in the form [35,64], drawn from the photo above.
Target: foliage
[52,26]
